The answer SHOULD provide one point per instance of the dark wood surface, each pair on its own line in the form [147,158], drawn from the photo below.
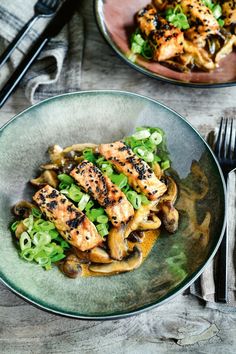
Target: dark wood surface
[183,325]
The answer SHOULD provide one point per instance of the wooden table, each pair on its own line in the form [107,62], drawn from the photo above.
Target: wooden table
[182,325]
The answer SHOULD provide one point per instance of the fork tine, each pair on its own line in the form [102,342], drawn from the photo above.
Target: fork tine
[225,138]
[218,143]
[229,151]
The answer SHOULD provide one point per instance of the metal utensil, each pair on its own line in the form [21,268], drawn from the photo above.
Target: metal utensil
[225,151]
[63,16]
[42,8]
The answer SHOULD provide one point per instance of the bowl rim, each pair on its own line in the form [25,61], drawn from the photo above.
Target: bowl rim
[179,288]
[145,71]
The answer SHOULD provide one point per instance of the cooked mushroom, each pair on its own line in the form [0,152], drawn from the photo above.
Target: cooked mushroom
[78,147]
[23,209]
[55,153]
[170,217]
[129,263]
[47,177]
[71,266]
[172,191]
[143,219]
[20,229]
[116,243]
[226,49]
[169,214]
[96,255]
[136,236]
[49,166]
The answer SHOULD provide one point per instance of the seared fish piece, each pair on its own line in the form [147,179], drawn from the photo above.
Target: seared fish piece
[201,19]
[140,176]
[229,11]
[101,188]
[70,222]
[166,40]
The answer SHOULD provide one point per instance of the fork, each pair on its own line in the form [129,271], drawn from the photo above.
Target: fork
[42,8]
[225,151]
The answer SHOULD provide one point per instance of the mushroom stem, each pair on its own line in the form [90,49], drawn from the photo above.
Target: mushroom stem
[129,263]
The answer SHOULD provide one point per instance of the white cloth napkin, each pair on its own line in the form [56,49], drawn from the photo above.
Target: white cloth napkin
[58,68]
[204,287]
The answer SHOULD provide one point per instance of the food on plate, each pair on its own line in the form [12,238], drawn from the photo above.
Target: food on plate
[185,35]
[99,209]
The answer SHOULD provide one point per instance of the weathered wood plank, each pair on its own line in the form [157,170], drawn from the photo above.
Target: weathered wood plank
[168,329]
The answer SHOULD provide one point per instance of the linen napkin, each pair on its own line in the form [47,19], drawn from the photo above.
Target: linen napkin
[204,286]
[58,68]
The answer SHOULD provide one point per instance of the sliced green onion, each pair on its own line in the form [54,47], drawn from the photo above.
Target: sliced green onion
[83,201]
[25,241]
[134,198]
[120,180]
[157,158]
[75,193]
[156,138]
[28,254]
[94,213]
[36,213]
[42,225]
[165,165]
[42,260]
[217,11]
[64,187]
[89,155]
[144,199]
[221,22]
[102,219]
[65,244]
[28,222]
[142,134]
[146,51]
[41,238]
[14,225]
[89,205]
[137,38]
[57,257]
[102,229]
[107,168]
[53,233]
[63,177]
[136,48]
[132,57]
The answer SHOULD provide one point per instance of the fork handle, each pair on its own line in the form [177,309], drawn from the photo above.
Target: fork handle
[12,46]
[22,69]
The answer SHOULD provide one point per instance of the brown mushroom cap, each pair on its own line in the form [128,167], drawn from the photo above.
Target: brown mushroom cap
[47,177]
[116,243]
[23,209]
[129,263]
[96,255]
[71,266]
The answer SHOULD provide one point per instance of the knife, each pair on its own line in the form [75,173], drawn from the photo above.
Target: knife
[63,16]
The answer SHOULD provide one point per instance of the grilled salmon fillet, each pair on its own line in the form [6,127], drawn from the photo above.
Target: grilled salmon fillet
[101,188]
[140,175]
[166,40]
[201,19]
[70,222]
[229,11]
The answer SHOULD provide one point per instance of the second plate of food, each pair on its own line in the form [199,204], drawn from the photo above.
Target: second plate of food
[116,216]
[170,41]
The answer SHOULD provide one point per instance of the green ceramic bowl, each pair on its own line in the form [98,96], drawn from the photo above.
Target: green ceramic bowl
[174,262]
